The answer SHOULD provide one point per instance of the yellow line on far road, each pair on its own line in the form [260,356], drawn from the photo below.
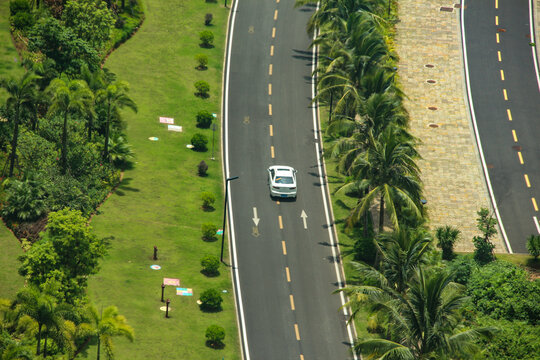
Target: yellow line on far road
[280,222]
[527,180]
[272,151]
[284,248]
[505,95]
[272,50]
[275,15]
[498,40]
[502,74]
[514,135]
[292,302]
[270,69]
[534,204]
[270,109]
[273,32]
[509,114]
[297,332]
[288,274]
[496,4]
[496,20]
[271,130]
[301,357]
[499,55]
[520,157]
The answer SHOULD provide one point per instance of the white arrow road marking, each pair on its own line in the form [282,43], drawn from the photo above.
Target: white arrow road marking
[536,223]
[255,217]
[304,217]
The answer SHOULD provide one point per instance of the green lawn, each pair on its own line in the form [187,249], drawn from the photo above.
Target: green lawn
[158,203]
[9,59]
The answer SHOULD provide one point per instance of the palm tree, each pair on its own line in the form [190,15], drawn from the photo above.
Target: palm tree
[21,97]
[423,322]
[97,80]
[44,310]
[104,327]
[68,98]
[114,97]
[446,237]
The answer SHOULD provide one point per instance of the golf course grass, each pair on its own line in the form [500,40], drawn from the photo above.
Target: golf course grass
[158,202]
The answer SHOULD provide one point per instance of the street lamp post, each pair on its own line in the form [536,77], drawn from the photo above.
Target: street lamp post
[225,213]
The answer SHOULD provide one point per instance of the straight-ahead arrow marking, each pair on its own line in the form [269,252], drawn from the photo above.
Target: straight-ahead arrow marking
[255,217]
[304,217]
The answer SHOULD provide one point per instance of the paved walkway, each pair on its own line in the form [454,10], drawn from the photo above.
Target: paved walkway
[431,73]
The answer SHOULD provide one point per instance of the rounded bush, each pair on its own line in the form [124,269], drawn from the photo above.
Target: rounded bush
[202,88]
[208,19]
[202,60]
[202,168]
[211,300]
[210,265]
[208,200]
[18,6]
[209,232]
[207,38]
[215,336]
[22,20]
[204,119]
[199,142]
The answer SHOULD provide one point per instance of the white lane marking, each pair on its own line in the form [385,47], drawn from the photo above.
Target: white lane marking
[536,224]
[255,217]
[475,126]
[533,48]
[232,239]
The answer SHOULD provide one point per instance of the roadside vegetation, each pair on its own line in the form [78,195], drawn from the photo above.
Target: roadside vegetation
[68,107]
[412,297]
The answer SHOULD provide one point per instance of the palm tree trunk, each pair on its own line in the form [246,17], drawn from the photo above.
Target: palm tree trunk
[38,338]
[381,215]
[123,4]
[82,347]
[64,144]
[14,143]
[45,345]
[107,126]
[98,347]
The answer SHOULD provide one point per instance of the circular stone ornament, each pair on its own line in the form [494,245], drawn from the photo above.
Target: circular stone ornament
[155,267]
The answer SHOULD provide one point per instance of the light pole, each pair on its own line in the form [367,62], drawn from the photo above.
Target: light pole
[225,212]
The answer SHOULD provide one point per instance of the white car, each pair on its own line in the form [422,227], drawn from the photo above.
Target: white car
[282,181]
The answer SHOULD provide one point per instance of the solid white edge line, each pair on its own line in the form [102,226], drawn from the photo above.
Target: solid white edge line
[232,240]
[324,191]
[536,224]
[533,38]
[477,135]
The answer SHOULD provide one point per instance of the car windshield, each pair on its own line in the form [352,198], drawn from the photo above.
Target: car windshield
[284,180]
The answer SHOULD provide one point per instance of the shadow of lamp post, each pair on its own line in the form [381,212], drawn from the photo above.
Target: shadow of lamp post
[225,212]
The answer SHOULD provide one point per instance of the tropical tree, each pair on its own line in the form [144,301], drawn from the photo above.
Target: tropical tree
[96,81]
[422,323]
[114,97]
[446,237]
[69,98]
[21,97]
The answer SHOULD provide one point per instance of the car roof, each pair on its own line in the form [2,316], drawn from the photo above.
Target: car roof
[281,168]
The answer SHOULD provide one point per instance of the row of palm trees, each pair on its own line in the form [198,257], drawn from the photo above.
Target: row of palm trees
[411,301]
[72,99]
[35,317]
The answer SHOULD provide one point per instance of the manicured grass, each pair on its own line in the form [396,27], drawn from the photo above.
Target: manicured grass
[10,280]
[9,58]
[158,203]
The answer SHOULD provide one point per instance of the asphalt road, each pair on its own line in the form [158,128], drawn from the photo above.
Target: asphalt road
[506,104]
[284,273]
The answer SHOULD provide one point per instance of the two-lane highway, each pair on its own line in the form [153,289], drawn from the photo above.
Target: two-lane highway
[284,254]
[505,104]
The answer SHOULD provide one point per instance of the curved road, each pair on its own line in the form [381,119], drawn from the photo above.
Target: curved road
[285,266]
[505,104]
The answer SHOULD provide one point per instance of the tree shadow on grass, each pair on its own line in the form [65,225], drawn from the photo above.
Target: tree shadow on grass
[215,345]
[209,310]
[208,208]
[210,274]
[124,186]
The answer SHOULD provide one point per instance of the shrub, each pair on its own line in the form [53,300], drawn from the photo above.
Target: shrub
[209,232]
[19,6]
[202,60]
[202,88]
[364,249]
[533,246]
[211,300]
[199,142]
[215,336]
[208,19]
[207,38]
[210,265]
[203,168]
[446,237]
[25,200]
[204,119]
[22,20]
[484,247]
[462,266]
[208,200]
[120,21]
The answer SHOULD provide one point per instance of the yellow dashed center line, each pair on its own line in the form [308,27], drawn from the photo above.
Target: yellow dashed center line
[496,20]
[509,114]
[301,357]
[514,135]
[272,153]
[499,55]
[280,222]
[297,332]
[527,180]
[284,248]
[270,109]
[292,302]
[272,50]
[288,274]
[270,89]
[502,75]
[534,204]
[270,69]
[271,130]
[498,40]
[275,15]
[273,32]
[520,157]
[505,95]
[496,4]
